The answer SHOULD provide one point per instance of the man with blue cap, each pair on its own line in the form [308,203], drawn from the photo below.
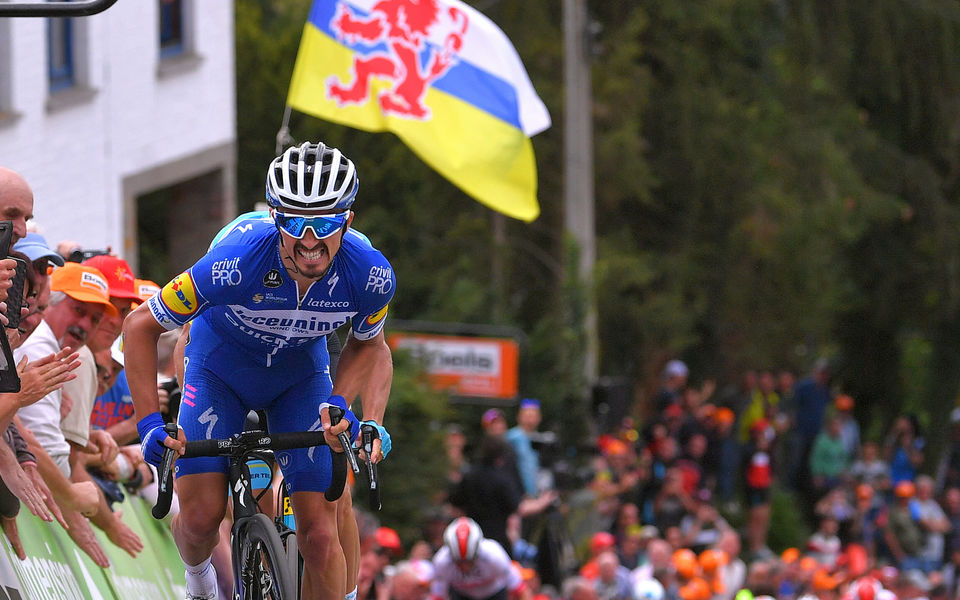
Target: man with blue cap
[528,461]
[36,248]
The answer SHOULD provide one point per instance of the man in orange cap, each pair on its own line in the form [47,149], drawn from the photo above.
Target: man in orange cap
[903,534]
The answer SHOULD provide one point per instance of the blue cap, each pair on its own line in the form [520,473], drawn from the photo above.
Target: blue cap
[529,403]
[35,247]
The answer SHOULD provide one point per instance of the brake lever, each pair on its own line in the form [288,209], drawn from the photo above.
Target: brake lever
[368,434]
[336,413]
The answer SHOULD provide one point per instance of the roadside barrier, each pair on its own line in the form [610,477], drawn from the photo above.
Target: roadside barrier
[56,568]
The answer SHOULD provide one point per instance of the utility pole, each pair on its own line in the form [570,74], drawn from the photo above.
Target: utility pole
[578,159]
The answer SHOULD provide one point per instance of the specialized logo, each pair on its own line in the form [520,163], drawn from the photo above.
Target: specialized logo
[226,272]
[272,279]
[94,282]
[180,295]
[379,280]
[377,316]
[393,48]
[208,418]
[334,280]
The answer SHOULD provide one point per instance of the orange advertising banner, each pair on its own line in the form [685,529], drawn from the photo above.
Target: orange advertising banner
[465,366]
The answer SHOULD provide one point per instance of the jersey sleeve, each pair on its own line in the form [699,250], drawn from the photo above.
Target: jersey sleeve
[376,290]
[213,280]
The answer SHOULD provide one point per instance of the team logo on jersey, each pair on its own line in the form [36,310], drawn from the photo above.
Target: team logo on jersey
[180,295]
[258,298]
[377,316]
[272,279]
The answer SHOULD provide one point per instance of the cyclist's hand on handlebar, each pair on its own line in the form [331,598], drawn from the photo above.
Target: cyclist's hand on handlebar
[381,440]
[349,423]
[154,440]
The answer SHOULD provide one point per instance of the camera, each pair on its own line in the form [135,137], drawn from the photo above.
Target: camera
[78,255]
[172,387]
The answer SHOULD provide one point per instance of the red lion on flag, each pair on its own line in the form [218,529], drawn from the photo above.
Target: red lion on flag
[404,26]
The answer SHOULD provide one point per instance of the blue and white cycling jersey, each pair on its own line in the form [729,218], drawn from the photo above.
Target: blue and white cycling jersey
[242,291]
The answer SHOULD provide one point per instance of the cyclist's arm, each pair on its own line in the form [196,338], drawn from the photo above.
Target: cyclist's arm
[141,331]
[366,369]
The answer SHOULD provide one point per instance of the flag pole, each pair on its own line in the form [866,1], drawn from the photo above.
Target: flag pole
[284,138]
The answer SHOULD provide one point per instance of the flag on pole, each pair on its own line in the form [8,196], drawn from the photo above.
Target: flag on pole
[441,76]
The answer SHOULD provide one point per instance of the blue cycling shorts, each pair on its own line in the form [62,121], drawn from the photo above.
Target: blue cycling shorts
[222,383]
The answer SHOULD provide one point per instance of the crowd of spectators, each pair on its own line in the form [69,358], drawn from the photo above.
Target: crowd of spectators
[71,450]
[682,502]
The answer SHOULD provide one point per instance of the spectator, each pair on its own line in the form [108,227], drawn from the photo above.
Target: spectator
[16,202]
[723,445]
[613,579]
[869,468]
[824,545]
[675,375]
[734,573]
[902,534]
[454,444]
[600,542]
[658,565]
[903,449]
[933,522]
[672,502]
[702,529]
[951,505]
[578,588]
[519,437]
[829,458]
[411,580]
[810,399]
[488,493]
[849,428]
[948,471]
[758,473]
[764,403]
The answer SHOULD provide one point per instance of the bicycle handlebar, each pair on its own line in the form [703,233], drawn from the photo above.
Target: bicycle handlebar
[165,476]
[241,445]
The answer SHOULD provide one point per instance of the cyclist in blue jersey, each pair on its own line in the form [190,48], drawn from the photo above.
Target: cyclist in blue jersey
[260,304]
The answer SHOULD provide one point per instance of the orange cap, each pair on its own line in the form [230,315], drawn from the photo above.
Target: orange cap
[790,556]
[84,284]
[724,415]
[145,288]
[843,402]
[118,274]
[864,491]
[712,559]
[808,563]
[905,489]
[685,562]
[695,589]
[822,581]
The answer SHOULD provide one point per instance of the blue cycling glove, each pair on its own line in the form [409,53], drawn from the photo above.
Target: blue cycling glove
[385,443]
[340,401]
[151,438]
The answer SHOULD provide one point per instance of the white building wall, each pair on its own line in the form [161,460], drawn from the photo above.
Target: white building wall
[142,114]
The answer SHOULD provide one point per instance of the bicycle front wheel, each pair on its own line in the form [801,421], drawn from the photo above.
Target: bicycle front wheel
[265,574]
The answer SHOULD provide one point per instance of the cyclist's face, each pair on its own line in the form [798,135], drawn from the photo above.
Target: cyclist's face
[308,256]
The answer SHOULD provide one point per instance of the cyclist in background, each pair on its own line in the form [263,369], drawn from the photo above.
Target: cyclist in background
[261,302]
[471,567]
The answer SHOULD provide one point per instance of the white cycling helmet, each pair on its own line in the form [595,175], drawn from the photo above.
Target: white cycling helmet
[462,538]
[311,177]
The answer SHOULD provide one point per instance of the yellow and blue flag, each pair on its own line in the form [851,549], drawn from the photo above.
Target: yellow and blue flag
[441,76]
